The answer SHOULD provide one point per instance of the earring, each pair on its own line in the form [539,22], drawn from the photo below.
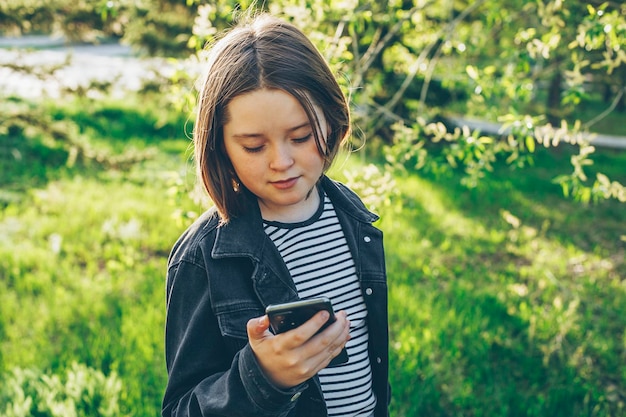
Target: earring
[236,185]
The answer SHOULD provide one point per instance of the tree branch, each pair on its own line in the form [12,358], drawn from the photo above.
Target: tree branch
[443,36]
[607,111]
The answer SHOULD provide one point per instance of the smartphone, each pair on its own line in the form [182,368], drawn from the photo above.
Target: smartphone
[287,316]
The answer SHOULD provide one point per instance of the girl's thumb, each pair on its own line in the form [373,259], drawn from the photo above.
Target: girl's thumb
[258,326]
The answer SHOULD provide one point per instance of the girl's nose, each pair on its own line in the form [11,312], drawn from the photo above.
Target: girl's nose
[281,158]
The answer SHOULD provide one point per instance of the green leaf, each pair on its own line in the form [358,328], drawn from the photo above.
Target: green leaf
[472,72]
[530,144]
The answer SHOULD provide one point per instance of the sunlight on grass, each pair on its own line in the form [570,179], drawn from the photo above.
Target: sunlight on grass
[90,264]
[480,283]
[437,205]
[504,300]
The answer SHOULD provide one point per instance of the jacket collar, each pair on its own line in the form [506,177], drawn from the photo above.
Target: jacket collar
[347,200]
[244,235]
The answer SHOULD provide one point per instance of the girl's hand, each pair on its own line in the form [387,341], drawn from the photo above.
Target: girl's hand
[290,358]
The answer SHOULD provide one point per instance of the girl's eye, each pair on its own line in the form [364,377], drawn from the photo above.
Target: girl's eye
[254,149]
[304,138]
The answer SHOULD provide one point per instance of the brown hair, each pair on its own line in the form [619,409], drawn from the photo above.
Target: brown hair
[261,52]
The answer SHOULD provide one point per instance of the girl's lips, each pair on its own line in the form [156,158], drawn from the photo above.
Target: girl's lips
[285,184]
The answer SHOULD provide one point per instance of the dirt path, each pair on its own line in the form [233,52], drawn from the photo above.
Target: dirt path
[105,62]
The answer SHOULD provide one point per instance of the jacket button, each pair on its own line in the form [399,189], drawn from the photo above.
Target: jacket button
[369,291]
[378,360]
[296,396]
[367,239]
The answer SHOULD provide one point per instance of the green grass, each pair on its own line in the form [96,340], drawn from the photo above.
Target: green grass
[505,300]
[508,300]
[83,254]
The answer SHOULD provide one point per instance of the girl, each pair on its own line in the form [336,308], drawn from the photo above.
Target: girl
[271,119]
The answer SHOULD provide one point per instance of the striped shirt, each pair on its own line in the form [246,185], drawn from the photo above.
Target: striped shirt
[319,260]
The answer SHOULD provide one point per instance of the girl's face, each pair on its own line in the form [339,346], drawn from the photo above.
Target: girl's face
[269,140]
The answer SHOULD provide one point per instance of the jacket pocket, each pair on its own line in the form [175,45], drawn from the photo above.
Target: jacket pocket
[232,319]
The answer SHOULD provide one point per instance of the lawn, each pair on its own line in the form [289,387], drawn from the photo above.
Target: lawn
[505,300]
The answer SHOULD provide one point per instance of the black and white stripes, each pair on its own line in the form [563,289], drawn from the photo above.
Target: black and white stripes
[319,260]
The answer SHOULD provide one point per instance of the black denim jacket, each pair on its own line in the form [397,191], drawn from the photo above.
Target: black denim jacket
[218,278]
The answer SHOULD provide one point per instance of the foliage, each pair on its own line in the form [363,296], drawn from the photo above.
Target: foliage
[528,65]
[78,20]
[83,392]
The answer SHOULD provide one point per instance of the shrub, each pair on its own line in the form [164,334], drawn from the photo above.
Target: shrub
[82,392]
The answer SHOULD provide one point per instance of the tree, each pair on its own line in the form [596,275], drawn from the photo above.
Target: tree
[405,64]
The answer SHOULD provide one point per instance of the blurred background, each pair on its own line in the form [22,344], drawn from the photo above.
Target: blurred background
[490,136]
